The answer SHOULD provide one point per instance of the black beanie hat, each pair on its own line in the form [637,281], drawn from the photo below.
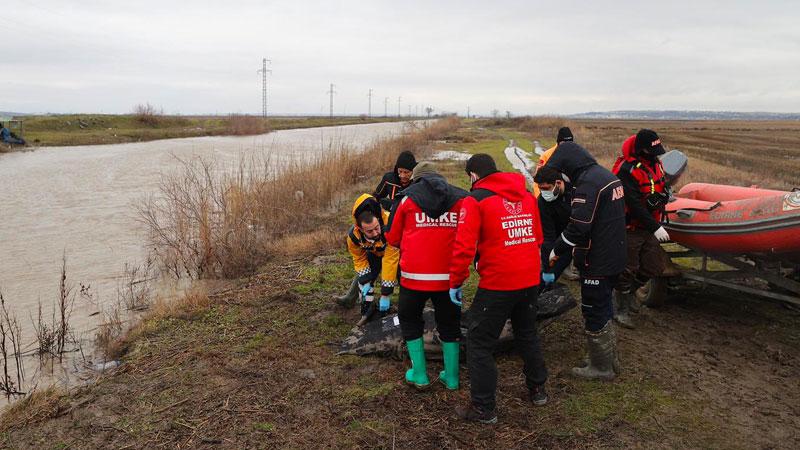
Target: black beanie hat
[405,160]
[564,134]
[648,142]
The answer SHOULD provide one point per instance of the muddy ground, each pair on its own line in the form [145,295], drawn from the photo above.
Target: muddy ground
[257,369]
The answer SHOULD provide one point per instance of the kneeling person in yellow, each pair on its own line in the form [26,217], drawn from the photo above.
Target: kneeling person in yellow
[372,256]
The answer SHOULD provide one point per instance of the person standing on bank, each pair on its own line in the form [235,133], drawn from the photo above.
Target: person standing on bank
[596,236]
[646,197]
[499,228]
[423,228]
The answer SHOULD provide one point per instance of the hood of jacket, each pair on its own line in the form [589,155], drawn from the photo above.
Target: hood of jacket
[433,194]
[571,159]
[510,186]
[366,202]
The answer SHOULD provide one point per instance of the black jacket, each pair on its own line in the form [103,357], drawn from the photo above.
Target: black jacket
[555,217]
[433,194]
[388,190]
[596,230]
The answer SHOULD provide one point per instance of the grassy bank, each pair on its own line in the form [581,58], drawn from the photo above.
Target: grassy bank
[89,129]
[254,367]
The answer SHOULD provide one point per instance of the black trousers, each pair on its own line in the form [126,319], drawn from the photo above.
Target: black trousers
[596,301]
[447,314]
[488,315]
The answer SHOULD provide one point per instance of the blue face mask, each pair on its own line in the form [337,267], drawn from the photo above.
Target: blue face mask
[549,196]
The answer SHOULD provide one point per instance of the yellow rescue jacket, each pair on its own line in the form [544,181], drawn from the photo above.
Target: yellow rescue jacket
[360,247]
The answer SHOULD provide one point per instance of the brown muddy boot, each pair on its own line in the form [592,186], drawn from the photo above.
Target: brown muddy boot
[622,308]
[348,300]
[602,355]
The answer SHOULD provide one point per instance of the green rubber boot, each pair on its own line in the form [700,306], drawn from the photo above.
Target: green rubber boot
[449,376]
[417,375]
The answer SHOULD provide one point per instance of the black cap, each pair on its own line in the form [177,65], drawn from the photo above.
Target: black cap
[648,142]
[405,160]
[564,134]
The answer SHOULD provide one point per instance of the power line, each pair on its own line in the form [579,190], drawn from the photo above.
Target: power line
[398,106]
[331,92]
[264,71]
[369,111]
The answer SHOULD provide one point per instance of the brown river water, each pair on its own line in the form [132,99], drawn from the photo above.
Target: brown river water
[79,201]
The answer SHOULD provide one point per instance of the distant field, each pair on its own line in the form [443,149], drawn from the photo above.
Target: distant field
[87,129]
[765,153]
[744,153]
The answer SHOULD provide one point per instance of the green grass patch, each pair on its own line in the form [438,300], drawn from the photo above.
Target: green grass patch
[597,402]
[266,427]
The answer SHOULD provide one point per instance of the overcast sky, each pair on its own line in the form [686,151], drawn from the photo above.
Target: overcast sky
[527,57]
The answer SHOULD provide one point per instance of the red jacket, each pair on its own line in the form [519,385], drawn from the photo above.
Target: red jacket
[500,219]
[425,245]
[640,178]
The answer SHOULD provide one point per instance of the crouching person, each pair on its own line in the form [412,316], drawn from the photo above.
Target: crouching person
[372,256]
[500,221]
[424,227]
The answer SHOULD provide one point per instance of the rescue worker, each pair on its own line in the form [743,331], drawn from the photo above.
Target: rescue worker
[554,209]
[372,256]
[423,228]
[646,196]
[564,135]
[499,228]
[395,181]
[596,236]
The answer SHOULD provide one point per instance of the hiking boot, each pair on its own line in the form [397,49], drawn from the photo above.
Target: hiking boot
[622,308]
[449,376]
[417,375]
[538,396]
[603,360]
[348,300]
[471,413]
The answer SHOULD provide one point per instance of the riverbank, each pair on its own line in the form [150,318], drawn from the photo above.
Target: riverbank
[93,129]
[254,366]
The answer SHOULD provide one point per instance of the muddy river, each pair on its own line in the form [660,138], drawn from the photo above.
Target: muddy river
[78,201]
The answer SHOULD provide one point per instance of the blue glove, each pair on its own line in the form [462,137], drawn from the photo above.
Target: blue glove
[383,306]
[457,295]
[365,288]
[548,278]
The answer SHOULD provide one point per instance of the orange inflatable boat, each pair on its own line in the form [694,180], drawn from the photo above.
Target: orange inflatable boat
[719,219]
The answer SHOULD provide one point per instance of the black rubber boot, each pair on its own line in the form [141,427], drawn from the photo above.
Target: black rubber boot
[603,360]
[622,308]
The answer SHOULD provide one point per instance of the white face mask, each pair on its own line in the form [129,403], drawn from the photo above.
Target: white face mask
[549,196]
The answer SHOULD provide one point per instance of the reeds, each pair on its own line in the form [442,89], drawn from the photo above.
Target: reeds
[207,224]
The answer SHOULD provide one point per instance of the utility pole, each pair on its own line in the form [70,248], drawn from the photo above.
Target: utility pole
[331,92]
[369,111]
[398,106]
[467,112]
[409,110]
[416,111]
[386,107]
[264,71]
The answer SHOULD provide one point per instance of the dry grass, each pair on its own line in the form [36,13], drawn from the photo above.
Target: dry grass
[147,114]
[206,225]
[243,125]
[37,405]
